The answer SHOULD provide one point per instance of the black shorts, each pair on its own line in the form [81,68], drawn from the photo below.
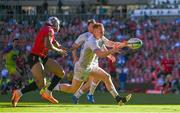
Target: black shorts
[33,59]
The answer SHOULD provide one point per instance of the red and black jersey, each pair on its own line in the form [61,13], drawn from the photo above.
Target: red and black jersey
[39,44]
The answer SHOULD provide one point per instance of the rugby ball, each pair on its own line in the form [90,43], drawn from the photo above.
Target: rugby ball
[135,43]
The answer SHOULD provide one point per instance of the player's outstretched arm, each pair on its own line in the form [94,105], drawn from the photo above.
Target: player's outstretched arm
[51,46]
[103,54]
[110,43]
[56,44]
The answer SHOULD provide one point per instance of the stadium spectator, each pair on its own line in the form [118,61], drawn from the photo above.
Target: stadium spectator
[122,78]
[4,77]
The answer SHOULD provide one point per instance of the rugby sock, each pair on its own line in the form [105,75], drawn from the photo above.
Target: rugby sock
[114,93]
[92,88]
[31,87]
[78,93]
[55,80]
[118,99]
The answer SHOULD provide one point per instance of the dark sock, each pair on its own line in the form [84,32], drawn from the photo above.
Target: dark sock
[31,87]
[55,80]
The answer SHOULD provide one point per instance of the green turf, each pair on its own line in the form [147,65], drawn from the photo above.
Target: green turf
[104,104]
[45,107]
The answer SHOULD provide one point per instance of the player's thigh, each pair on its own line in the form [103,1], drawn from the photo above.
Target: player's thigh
[53,67]
[38,74]
[71,88]
[99,74]
[94,80]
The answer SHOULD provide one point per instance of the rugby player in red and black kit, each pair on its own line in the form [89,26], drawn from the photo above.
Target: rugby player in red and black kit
[38,61]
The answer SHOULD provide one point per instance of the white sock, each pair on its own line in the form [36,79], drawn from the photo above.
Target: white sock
[57,87]
[78,93]
[92,88]
[113,92]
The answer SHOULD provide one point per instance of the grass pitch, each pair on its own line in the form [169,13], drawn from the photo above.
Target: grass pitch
[69,108]
[140,103]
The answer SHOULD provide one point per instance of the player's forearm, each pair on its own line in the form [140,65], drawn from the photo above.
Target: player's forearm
[56,44]
[52,46]
[110,43]
[104,54]
[113,44]
[74,54]
[56,49]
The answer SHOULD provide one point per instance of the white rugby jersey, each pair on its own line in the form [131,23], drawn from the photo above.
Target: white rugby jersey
[87,55]
[80,40]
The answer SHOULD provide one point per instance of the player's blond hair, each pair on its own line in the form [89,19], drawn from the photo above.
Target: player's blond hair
[98,25]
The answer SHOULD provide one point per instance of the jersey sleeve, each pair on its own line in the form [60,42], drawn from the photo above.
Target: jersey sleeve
[93,45]
[80,39]
[49,32]
[107,42]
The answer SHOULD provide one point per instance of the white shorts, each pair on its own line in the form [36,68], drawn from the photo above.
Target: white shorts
[82,74]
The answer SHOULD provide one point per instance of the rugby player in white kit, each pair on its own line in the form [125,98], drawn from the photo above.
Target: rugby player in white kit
[87,65]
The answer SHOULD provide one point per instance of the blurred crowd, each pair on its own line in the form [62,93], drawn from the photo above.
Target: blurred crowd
[163,4]
[160,51]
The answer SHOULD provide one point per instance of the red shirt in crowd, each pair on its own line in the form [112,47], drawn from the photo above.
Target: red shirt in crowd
[112,67]
[167,65]
[39,44]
